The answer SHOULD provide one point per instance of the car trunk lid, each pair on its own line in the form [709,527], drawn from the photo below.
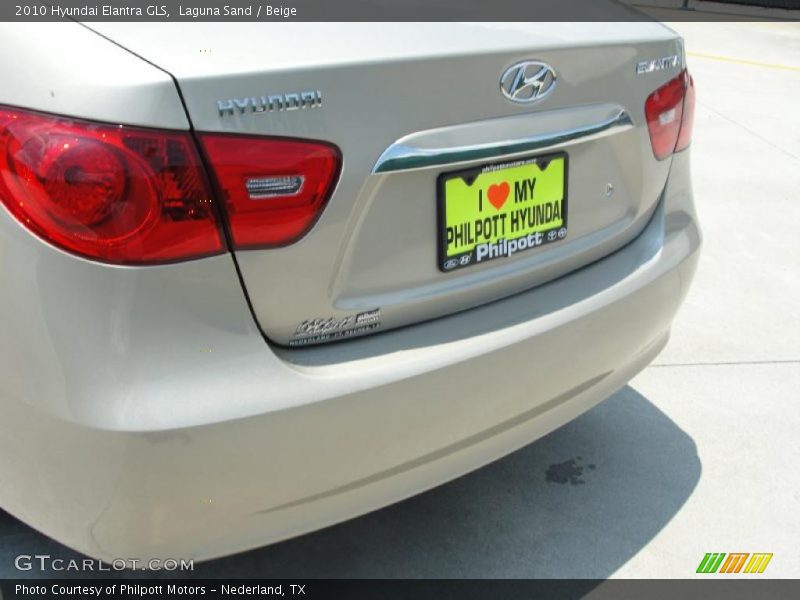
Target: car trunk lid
[407,105]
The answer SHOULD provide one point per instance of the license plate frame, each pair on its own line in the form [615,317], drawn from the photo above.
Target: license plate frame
[492,172]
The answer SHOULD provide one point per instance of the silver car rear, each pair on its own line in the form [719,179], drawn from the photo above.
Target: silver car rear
[426,101]
[296,177]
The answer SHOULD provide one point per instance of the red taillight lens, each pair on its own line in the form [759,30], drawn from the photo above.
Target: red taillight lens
[685,136]
[664,111]
[118,194]
[273,189]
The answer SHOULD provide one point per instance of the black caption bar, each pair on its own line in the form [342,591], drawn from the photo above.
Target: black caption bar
[315,10]
[395,10]
[141,589]
[385,589]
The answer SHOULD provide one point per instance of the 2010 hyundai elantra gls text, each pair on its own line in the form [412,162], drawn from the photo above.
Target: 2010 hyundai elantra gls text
[248,294]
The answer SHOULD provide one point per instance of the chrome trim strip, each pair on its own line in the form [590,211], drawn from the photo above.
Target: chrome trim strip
[400,157]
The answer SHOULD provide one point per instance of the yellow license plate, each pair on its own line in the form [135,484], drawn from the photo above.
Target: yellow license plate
[496,211]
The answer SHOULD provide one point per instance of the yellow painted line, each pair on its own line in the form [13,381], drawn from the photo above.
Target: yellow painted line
[750,566]
[741,61]
[758,563]
[767,558]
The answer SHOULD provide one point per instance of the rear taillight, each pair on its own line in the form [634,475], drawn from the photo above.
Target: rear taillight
[117,194]
[687,124]
[669,112]
[273,189]
[135,196]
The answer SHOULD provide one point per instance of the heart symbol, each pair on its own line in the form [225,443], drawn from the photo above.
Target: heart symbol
[498,193]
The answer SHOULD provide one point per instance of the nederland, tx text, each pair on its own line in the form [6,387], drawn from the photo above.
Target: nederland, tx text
[141,591]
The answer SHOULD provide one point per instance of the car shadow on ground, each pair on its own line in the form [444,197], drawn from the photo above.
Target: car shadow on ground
[578,503]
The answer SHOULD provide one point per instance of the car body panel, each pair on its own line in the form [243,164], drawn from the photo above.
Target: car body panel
[65,68]
[248,444]
[206,50]
[374,250]
[144,414]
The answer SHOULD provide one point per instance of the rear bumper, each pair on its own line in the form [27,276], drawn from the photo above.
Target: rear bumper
[266,443]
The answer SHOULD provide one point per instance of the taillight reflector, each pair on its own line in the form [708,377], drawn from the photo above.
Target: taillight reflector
[273,189]
[117,194]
